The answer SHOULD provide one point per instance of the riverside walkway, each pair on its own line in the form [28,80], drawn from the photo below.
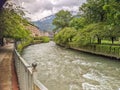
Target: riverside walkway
[8,80]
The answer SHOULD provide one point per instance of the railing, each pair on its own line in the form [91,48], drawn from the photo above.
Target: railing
[26,76]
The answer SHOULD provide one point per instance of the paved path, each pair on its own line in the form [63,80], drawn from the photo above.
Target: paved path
[2,52]
[7,73]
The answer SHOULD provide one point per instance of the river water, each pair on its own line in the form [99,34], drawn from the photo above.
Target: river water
[64,69]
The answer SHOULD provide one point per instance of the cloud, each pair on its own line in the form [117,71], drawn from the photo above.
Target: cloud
[43,8]
[67,2]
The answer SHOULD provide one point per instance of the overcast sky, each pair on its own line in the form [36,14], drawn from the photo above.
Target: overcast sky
[41,8]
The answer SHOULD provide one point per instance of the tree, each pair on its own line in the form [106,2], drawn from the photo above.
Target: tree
[93,11]
[103,16]
[112,32]
[62,19]
[65,36]
[101,11]
[91,32]
[12,22]
[112,8]
[77,23]
[81,38]
[98,31]
[100,19]
[12,25]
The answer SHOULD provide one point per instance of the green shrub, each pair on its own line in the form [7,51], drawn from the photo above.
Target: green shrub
[65,36]
[106,49]
[23,44]
[37,38]
[45,39]
[20,48]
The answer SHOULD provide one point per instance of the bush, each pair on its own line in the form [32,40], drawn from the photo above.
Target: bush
[45,39]
[107,49]
[65,36]
[23,44]
[37,38]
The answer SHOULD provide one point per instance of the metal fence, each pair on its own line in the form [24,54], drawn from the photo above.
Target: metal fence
[26,76]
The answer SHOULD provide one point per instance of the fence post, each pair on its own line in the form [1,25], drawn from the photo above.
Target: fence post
[34,72]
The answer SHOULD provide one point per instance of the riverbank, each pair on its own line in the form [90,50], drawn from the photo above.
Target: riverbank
[111,52]
[95,53]
[36,40]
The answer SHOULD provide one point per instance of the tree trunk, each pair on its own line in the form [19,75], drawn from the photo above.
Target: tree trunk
[2,41]
[99,40]
[91,40]
[112,39]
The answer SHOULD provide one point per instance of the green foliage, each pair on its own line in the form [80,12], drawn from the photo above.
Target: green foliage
[62,19]
[43,39]
[81,38]
[107,49]
[112,31]
[112,8]
[23,44]
[77,23]
[12,25]
[93,11]
[89,33]
[65,36]
[99,20]
[102,20]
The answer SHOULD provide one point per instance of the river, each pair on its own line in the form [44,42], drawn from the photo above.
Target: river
[64,69]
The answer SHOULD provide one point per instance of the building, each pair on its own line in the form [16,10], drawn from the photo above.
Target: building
[34,31]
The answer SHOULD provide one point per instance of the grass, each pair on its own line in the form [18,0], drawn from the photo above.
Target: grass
[108,42]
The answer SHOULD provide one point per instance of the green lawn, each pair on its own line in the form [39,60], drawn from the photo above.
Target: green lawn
[109,42]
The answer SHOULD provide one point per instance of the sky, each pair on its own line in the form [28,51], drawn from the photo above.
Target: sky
[38,9]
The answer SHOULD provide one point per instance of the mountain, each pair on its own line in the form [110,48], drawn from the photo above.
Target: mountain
[45,24]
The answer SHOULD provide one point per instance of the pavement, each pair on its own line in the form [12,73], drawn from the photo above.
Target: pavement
[8,78]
